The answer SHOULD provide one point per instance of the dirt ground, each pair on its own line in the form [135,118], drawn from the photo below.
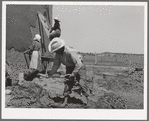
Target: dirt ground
[113,88]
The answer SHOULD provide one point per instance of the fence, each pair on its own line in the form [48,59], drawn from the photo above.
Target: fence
[119,60]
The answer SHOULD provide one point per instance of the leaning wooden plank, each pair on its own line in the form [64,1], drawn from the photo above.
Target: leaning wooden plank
[44,23]
[39,24]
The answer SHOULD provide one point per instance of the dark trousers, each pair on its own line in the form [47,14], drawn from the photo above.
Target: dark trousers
[80,77]
[56,33]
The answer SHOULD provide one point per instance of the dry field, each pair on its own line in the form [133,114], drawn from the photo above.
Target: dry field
[113,88]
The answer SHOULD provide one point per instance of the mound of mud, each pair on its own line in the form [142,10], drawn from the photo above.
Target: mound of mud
[41,93]
[28,95]
[53,86]
[33,95]
[111,101]
[117,90]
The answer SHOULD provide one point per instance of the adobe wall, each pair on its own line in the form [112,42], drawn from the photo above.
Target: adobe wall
[21,24]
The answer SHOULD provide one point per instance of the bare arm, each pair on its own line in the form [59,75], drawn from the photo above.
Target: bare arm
[51,30]
[32,46]
[56,65]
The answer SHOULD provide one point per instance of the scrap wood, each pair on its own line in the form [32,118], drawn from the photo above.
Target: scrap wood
[44,23]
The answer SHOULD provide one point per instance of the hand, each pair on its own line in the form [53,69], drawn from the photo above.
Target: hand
[71,78]
[67,76]
[49,73]
[72,75]
[27,51]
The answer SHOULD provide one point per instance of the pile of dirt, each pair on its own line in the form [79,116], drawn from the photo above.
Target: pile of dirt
[119,90]
[28,95]
[42,93]
[111,101]
[129,89]
[53,86]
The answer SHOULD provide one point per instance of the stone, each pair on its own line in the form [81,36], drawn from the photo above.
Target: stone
[54,86]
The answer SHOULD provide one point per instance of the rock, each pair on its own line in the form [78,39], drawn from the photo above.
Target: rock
[57,105]
[8,69]
[7,100]
[93,98]
[44,101]
[7,92]
[8,72]
[21,82]
[111,101]
[8,81]
[25,95]
[54,86]
[77,96]
[30,75]
[42,93]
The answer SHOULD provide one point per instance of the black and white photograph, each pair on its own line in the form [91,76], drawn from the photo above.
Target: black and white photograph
[74,60]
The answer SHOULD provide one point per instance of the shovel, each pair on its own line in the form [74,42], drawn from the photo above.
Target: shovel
[26,59]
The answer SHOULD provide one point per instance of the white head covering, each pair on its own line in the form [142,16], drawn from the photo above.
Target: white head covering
[37,37]
[56,18]
[56,44]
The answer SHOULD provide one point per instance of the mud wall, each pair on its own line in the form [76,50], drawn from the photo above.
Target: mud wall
[21,24]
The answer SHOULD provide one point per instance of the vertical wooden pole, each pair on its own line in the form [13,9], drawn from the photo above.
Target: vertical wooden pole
[39,23]
[40,31]
[26,60]
[44,49]
[48,15]
[95,58]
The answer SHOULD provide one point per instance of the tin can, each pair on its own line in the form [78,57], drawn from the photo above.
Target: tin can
[21,78]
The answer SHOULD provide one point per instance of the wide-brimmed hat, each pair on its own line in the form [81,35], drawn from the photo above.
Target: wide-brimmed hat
[37,37]
[56,19]
[56,44]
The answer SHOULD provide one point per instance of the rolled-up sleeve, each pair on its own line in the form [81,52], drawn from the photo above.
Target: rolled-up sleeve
[77,61]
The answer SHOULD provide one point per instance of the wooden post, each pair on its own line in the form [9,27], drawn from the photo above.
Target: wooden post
[41,34]
[95,58]
[48,15]
[26,60]
[39,23]
[43,38]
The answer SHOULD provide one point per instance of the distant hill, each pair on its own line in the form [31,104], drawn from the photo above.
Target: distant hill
[114,59]
[112,54]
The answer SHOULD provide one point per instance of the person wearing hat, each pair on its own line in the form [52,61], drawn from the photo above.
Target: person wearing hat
[74,66]
[35,48]
[55,30]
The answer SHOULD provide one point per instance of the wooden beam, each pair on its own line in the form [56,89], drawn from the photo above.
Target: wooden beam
[39,23]
[44,22]
[43,40]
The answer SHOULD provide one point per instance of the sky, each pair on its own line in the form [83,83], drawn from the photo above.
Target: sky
[102,28]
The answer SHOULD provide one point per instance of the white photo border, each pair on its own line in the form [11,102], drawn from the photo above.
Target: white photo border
[89,114]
